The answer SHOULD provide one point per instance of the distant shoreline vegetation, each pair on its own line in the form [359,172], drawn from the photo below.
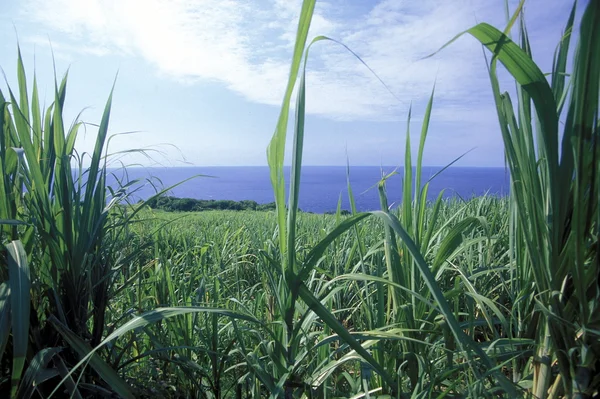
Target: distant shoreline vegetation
[175,204]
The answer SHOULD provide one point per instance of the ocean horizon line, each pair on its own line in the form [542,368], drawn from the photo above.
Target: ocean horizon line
[304,166]
[321,186]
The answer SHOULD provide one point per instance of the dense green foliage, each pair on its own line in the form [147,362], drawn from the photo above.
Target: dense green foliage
[484,298]
[174,204]
[222,258]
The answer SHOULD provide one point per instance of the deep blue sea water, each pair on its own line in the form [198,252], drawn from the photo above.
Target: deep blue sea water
[321,186]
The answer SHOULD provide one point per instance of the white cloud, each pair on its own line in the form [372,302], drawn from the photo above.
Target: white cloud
[246,45]
[65,50]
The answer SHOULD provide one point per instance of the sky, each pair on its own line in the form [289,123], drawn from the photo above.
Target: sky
[200,82]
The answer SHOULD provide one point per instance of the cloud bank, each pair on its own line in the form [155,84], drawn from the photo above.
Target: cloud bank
[246,46]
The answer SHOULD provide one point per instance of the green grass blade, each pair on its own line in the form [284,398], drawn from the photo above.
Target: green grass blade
[318,250]
[527,74]
[19,280]
[85,351]
[316,306]
[441,301]
[559,65]
[22,80]
[4,316]
[144,320]
[421,192]
[96,190]
[407,181]
[36,120]
[35,369]
[276,148]
[584,126]
[453,240]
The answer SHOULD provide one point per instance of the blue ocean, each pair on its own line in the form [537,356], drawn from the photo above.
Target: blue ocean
[321,186]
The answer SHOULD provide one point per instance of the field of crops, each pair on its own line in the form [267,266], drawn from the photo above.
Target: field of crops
[226,260]
[481,298]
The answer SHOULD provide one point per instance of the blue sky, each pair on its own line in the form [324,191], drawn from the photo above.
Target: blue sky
[201,81]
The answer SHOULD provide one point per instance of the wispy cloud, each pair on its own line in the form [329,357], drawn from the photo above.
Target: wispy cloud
[246,46]
[67,49]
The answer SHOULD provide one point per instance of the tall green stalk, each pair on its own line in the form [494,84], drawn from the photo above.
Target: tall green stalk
[553,197]
[63,218]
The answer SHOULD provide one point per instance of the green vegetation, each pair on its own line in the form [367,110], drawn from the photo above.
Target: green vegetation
[484,298]
[175,204]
